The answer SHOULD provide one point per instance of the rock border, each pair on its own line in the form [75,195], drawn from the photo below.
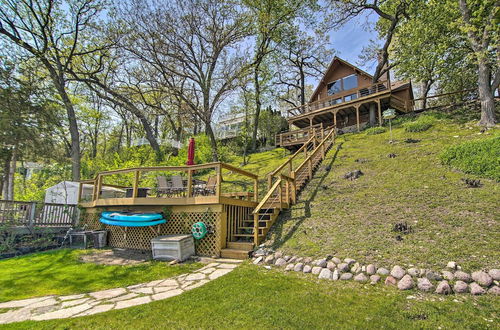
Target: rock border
[448,281]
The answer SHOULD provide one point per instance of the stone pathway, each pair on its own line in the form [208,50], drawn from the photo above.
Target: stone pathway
[57,307]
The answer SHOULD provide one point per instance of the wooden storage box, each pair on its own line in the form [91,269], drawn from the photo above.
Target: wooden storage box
[172,247]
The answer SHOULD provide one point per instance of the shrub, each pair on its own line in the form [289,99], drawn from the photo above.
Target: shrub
[478,157]
[423,123]
[375,130]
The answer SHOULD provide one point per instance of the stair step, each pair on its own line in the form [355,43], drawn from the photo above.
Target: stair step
[240,246]
[235,254]
[243,235]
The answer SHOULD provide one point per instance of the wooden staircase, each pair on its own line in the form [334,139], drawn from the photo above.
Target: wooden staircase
[283,190]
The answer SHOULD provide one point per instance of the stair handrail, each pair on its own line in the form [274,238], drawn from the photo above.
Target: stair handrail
[259,207]
[313,153]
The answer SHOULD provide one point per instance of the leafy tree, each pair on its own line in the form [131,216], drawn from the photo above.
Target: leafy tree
[54,33]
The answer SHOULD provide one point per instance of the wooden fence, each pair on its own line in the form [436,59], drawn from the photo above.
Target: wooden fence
[32,214]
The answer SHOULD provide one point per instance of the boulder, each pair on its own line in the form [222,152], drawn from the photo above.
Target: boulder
[360,278]
[315,270]
[287,258]
[257,260]
[452,265]
[371,269]
[306,269]
[331,265]
[259,253]
[389,280]
[443,287]
[406,283]
[397,272]
[448,275]
[321,263]
[482,278]
[346,276]
[433,276]
[293,259]
[476,289]
[299,259]
[307,260]
[423,284]
[280,262]
[298,267]
[343,267]
[495,274]
[349,261]
[336,260]
[374,279]
[494,290]
[325,274]
[289,267]
[356,268]
[460,287]
[383,271]
[335,275]
[278,255]
[462,276]
[269,259]
[413,272]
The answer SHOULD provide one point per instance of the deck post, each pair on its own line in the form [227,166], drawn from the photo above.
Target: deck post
[287,192]
[310,168]
[290,168]
[335,119]
[280,191]
[219,182]
[80,191]
[135,189]
[357,117]
[379,113]
[269,181]
[256,190]
[294,188]
[323,145]
[99,186]
[94,189]
[190,184]
[256,229]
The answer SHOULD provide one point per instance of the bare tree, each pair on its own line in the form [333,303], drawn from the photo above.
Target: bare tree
[52,32]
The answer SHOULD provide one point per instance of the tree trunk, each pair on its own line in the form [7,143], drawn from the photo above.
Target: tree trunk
[6,171]
[488,118]
[302,87]
[73,127]
[258,106]
[213,142]
[426,87]
[373,117]
[11,175]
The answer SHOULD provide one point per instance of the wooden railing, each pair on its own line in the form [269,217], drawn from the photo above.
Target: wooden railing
[299,135]
[187,190]
[336,99]
[18,213]
[283,188]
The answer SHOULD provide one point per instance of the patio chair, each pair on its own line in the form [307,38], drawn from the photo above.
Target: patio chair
[177,185]
[163,186]
[210,186]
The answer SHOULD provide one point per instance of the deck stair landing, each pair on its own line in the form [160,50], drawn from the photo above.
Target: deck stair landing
[284,185]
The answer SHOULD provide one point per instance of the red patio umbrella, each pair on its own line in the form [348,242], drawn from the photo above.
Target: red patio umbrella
[190,160]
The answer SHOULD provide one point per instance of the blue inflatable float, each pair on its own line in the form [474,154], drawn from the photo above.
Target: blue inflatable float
[129,219]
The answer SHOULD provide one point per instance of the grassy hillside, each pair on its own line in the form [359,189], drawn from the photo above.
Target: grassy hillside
[355,218]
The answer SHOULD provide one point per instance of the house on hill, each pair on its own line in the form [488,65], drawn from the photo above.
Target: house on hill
[345,99]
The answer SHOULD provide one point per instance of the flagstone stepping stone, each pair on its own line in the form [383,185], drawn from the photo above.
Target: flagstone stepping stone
[195,277]
[147,290]
[96,309]
[208,270]
[218,273]
[74,302]
[168,294]
[124,297]
[106,294]
[72,297]
[22,303]
[169,283]
[62,313]
[132,302]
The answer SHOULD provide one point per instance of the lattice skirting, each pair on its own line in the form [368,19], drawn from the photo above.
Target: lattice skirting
[178,223]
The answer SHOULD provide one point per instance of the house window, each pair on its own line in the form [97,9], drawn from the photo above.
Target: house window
[350,82]
[350,97]
[335,101]
[334,87]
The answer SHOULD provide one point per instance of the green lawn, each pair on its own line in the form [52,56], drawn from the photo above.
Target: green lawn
[251,297]
[355,218]
[60,272]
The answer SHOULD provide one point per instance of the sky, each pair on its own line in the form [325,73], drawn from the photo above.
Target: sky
[348,41]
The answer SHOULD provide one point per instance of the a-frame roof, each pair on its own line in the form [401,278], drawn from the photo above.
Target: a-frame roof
[331,67]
